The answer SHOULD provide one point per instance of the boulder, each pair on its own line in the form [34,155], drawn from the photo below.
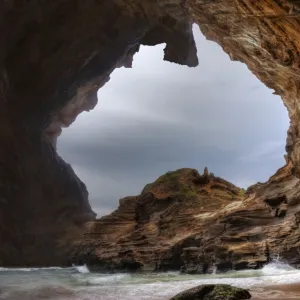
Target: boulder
[213,292]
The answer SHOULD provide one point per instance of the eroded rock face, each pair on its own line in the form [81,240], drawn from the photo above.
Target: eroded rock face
[56,54]
[197,223]
[264,35]
[151,230]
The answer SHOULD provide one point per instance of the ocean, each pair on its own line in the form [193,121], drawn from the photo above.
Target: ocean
[79,284]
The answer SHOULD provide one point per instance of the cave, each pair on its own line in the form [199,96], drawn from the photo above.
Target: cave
[54,58]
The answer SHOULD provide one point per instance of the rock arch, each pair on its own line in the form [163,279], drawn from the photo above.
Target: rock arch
[55,55]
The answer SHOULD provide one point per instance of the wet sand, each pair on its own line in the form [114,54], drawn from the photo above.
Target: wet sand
[282,292]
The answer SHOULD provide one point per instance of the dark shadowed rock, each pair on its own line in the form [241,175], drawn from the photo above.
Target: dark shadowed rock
[213,292]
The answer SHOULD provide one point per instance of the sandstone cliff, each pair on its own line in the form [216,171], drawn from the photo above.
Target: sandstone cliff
[197,223]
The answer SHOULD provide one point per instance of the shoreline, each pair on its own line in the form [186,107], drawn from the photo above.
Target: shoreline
[278,291]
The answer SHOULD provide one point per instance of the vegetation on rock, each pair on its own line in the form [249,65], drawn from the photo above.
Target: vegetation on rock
[213,292]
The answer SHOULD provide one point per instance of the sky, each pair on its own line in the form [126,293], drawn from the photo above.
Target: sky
[159,117]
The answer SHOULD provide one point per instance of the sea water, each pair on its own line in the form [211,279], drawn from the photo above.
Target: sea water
[79,284]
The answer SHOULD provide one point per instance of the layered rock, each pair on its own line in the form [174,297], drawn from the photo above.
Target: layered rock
[56,54]
[149,231]
[262,227]
[197,223]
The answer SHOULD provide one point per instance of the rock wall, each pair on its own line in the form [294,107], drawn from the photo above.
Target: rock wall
[197,224]
[265,36]
[56,54]
[54,57]
[41,199]
[151,230]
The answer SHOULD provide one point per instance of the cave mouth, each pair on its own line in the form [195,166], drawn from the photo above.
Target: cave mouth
[55,56]
[161,116]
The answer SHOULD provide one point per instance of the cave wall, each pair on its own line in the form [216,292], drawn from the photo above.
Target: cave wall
[265,35]
[55,55]
[41,199]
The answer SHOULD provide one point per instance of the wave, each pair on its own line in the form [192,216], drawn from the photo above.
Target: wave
[29,269]
[152,286]
[103,279]
[82,269]
[277,267]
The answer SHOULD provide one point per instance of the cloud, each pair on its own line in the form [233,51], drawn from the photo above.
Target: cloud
[267,150]
[159,116]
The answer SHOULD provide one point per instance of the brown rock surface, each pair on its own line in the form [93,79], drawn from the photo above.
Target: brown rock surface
[150,230]
[54,56]
[197,224]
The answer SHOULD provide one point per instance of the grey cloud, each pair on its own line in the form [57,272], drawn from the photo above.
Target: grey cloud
[159,117]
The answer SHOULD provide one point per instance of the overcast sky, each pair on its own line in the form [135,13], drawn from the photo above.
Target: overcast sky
[160,116]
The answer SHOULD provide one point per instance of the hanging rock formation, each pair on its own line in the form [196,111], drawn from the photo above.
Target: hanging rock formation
[54,57]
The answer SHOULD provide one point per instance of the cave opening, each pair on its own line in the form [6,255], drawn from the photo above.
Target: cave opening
[160,116]
[155,118]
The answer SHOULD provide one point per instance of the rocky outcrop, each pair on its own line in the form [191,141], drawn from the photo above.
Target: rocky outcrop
[56,54]
[151,230]
[262,227]
[213,292]
[197,223]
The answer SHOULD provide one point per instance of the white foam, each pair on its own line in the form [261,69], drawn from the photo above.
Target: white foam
[158,290]
[82,269]
[153,286]
[275,268]
[107,290]
[28,269]
[103,279]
